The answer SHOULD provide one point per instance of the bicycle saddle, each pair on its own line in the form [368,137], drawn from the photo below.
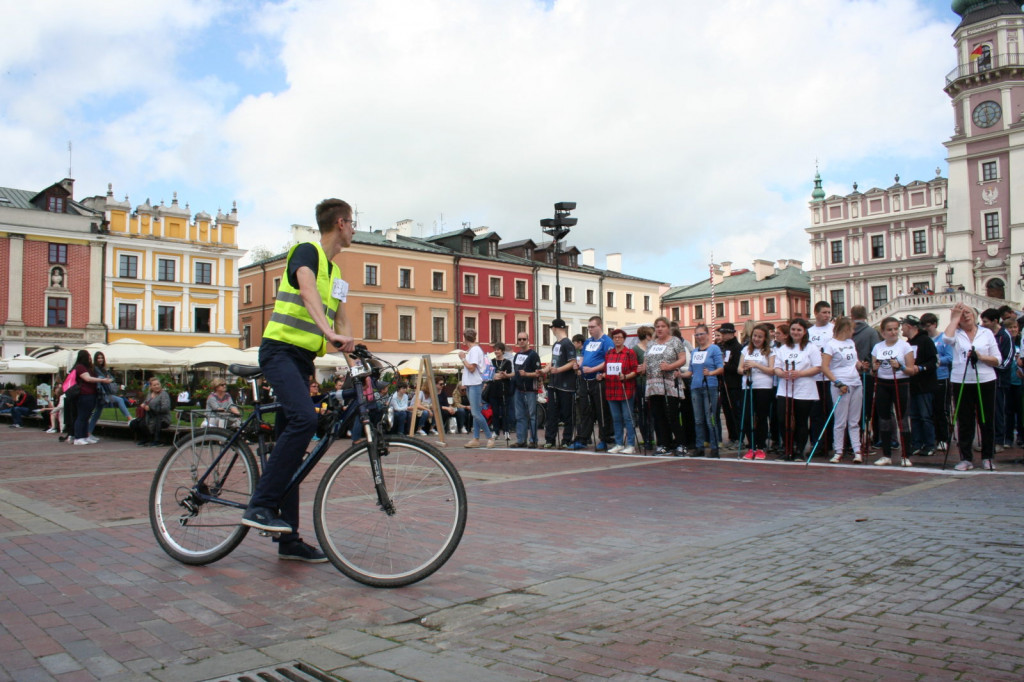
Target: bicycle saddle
[245,370]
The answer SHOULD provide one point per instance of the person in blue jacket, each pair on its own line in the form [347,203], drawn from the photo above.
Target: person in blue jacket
[706,365]
[592,372]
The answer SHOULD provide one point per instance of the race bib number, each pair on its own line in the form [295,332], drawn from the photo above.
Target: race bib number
[699,356]
[656,349]
[613,369]
[339,290]
[593,346]
[521,359]
[728,354]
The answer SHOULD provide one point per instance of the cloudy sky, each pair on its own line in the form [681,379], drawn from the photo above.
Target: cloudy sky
[679,127]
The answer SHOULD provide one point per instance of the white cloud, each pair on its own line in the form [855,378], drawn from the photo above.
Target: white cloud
[677,127]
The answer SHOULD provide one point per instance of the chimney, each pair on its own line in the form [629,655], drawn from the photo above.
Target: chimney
[587,257]
[762,269]
[391,234]
[782,263]
[404,227]
[799,264]
[716,274]
[613,262]
[304,233]
[69,185]
[727,268]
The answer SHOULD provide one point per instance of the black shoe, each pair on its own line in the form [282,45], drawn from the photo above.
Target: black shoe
[532,446]
[549,446]
[714,454]
[517,445]
[300,551]
[266,519]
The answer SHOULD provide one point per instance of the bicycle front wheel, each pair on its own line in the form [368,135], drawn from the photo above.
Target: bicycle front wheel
[400,546]
[188,528]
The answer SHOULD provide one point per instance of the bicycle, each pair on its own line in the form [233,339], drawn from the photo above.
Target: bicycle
[389,511]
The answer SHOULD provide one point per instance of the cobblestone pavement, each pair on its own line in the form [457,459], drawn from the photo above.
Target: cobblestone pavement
[574,566]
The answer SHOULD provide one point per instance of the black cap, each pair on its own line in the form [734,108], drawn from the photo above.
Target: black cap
[912,320]
[558,323]
[727,328]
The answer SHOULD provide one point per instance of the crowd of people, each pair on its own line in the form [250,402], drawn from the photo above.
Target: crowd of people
[834,388]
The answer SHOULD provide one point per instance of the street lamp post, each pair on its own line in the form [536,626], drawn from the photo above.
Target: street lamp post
[557,228]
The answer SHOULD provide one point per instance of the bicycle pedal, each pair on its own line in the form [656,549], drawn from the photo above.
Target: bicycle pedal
[269,534]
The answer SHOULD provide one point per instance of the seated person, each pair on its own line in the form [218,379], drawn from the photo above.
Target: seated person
[449,412]
[221,401]
[463,415]
[157,415]
[24,404]
[425,418]
[402,408]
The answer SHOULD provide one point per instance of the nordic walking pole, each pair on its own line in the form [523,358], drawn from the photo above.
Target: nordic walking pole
[899,418]
[834,406]
[956,415]
[743,417]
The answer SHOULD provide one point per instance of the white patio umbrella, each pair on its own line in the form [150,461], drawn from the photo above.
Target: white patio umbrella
[132,354]
[213,353]
[23,364]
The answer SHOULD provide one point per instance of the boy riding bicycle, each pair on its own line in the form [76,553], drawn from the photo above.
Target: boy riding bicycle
[308,315]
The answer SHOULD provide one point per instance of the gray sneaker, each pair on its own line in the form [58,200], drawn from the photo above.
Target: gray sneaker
[300,551]
[264,518]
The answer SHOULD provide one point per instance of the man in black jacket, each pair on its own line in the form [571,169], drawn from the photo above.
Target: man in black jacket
[732,396]
[922,386]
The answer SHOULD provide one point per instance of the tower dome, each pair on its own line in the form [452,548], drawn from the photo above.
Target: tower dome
[818,194]
[963,7]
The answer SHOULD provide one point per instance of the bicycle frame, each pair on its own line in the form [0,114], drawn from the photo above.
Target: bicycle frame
[344,417]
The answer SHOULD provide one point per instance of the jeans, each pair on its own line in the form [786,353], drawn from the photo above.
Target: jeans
[479,423]
[115,400]
[705,404]
[526,415]
[85,405]
[401,425]
[922,428]
[622,418]
[17,413]
[287,369]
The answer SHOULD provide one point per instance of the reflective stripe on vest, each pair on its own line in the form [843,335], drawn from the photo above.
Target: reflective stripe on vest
[291,322]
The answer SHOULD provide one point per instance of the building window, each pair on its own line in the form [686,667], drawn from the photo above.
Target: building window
[610,299]
[545,332]
[370,275]
[469,285]
[128,266]
[989,171]
[920,287]
[247,295]
[495,286]
[521,289]
[837,251]
[545,292]
[838,300]
[165,270]
[201,317]
[991,226]
[165,318]
[277,286]
[647,304]
[920,243]
[496,330]
[371,327]
[629,301]
[204,273]
[745,308]
[492,249]
[59,253]
[127,316]
[469,322]
[404,278]
[438,281]
[878,246]
[719,310]
[698,312]
[769,306]
[590,297]
[520,327]
[437,329]
[55,205]
[56,312]
[405,327]
[568,294]
[675,314]
[246,336]
[879,296]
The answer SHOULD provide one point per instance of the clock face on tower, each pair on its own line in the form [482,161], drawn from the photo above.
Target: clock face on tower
[986,114]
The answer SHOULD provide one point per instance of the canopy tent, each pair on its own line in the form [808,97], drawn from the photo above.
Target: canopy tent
[214,353]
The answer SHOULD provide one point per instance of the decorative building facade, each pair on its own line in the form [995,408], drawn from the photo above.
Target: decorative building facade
[51,256]
[962,237]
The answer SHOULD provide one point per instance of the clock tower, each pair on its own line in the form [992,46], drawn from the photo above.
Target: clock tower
[985,220]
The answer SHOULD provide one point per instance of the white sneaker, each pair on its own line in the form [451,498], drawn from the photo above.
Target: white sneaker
[51,430]
[835,458]
[883,462]
[628,450]
[987,465]
[615,449]
[963,465]
[421,432]
[82,441]
[906,462]
[93,439]
[433,432]
[857,459]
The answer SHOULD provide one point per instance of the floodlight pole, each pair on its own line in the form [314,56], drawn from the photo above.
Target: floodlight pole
[558,228]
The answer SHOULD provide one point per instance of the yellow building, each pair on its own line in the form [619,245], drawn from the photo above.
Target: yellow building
[169,281]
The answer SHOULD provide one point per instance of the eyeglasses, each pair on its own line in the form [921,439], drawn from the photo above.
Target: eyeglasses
[524,339]
[347,220]
[700,333]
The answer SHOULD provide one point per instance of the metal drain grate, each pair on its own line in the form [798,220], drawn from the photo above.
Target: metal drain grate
[290,671]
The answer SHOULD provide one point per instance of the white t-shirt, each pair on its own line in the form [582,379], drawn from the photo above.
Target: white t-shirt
[985,343]
[820,336]
[803,388]
[475,356]
[758,377]
[844,361]
[897,351]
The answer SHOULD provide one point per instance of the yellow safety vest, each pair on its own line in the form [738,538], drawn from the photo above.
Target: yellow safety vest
[291,322]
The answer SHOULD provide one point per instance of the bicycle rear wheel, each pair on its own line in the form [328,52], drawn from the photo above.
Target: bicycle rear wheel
[187,528]
[382,549]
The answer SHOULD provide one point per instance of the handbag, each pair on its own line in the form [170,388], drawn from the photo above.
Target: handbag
[70,386]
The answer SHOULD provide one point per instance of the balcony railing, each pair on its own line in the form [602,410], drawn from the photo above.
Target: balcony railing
[986,63]
[938,303]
